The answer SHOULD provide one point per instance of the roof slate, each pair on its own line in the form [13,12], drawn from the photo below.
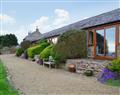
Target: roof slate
[35,36]
[104,18]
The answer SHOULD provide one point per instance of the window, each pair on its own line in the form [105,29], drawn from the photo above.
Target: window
[100,42]
[105,39]
[90,38]
[110,42]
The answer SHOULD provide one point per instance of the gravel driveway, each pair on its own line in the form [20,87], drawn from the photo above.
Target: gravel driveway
[34,79]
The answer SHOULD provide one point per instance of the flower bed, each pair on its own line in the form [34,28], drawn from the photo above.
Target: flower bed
[106,75]
[111,73]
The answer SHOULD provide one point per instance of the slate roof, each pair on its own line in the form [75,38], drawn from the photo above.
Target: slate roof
[108,17]
[35,36]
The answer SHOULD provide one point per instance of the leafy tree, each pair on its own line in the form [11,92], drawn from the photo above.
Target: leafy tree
[8,40]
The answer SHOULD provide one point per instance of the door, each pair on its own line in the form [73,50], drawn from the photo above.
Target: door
[105,42]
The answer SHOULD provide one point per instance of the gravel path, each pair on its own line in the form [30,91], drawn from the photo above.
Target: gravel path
[33,79]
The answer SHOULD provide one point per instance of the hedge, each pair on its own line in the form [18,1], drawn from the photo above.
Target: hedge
[32,51]
[72,44]
[46,52]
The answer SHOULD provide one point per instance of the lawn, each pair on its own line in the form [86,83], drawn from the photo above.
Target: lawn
[5,87]
[114,83]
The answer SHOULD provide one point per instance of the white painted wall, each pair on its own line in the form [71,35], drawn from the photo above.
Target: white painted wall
[53,40]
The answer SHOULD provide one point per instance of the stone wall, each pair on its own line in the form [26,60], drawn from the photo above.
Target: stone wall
[118,51]
[8,50]
[87,64]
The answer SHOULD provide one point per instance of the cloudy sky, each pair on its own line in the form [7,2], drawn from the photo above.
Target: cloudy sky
[22,16]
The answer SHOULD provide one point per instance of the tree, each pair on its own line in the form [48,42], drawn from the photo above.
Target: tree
[8,40]
[25,44]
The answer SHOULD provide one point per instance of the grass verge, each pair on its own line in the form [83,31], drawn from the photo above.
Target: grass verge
[114,83]
[5,87]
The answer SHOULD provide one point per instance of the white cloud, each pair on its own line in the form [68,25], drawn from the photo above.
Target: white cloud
[45,24]
[41,23]
[6,19]
[62,16]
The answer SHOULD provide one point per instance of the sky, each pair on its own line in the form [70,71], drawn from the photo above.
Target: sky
[22,16]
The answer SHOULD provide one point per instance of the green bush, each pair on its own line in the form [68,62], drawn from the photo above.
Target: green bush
[72,44]
[56,56]
[115,65]
[46,52]
[42,41]
[32,51]
[19,51]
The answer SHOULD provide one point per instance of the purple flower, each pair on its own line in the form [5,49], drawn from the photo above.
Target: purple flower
[106,75]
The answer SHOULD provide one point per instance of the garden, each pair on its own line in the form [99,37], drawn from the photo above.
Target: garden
[5,86]
[70,45]
[110,75]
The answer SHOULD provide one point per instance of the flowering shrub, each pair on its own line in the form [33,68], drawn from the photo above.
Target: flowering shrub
[106,75]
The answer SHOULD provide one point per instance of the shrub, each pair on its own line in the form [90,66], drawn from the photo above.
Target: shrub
[115,66]
[36,49]
[19,51]
[72,44]
[25,44]
[46,52]
[42,41]
[56,56]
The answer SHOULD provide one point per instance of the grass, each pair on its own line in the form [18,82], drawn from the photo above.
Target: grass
[5,87]
[114,83]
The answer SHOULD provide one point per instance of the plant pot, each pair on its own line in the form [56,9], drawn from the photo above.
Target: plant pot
[88,72]
[72,68]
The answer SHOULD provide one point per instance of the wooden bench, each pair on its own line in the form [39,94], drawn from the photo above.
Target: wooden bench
[50,62]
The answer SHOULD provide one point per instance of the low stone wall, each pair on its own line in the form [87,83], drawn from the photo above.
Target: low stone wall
[118,51]
[8,50]
[87,64]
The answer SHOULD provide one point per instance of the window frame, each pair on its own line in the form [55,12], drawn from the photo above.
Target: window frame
[89,42]
[118,29]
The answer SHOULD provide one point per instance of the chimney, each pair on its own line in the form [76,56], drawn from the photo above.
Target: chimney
[37,30]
